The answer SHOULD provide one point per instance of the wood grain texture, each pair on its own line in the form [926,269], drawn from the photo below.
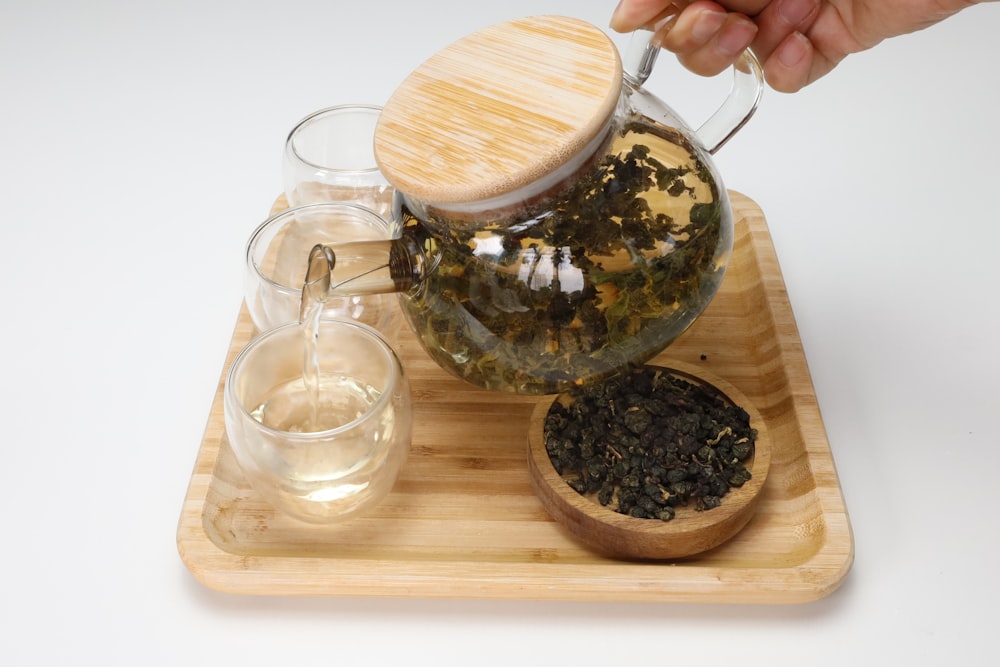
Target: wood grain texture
[498,109]
[464,522]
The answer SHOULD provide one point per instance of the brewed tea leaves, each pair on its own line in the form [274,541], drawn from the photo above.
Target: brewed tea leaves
[649,441]
[611,268]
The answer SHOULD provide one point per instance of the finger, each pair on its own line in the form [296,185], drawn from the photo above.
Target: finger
[790,67]
[779,20]
[631,15]
[707,41]
[746,7]
[693,28]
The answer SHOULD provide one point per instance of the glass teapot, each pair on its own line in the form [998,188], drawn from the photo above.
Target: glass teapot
[554,223]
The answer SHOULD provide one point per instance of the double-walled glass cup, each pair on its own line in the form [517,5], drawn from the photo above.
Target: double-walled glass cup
[329,156]
[324,451]
[277,255]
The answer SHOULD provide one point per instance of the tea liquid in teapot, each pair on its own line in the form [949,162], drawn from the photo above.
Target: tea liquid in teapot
[567,224]
[603,276]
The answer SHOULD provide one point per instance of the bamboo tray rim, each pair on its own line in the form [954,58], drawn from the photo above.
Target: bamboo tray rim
[490,575]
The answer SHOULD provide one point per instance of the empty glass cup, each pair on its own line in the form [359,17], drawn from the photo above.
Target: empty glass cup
[329,156]
[327,449]
[276,260]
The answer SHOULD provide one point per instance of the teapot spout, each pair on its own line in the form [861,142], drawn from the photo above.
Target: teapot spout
[363,267]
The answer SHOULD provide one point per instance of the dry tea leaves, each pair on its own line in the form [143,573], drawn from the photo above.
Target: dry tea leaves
[649,441]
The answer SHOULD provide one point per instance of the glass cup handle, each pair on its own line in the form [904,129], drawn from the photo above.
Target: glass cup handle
[736,109]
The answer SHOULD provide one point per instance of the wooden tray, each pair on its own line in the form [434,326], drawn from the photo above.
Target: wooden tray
[463,522]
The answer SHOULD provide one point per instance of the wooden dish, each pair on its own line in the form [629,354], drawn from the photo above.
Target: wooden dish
[690,532]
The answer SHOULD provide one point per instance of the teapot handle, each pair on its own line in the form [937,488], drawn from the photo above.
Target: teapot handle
[736,109]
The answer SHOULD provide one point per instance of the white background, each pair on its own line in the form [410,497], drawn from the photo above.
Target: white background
[140,144]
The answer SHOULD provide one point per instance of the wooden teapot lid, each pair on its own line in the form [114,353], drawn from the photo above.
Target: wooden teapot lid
[498,109]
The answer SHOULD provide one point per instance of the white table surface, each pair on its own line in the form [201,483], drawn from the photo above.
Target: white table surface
[140,144]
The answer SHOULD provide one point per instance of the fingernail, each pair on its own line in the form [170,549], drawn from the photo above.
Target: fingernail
[793,49]
[795,11]
[616,18]
[736,37]
[707,24]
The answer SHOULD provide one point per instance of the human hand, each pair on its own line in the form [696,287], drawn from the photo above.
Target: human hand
[797,41]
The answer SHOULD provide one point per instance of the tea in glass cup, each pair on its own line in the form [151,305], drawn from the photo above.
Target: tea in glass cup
[321,448]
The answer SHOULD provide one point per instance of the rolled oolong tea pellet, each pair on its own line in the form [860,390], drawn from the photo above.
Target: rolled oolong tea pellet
[649,441]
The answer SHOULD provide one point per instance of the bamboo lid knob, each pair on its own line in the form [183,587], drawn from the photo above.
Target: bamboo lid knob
[498,109]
